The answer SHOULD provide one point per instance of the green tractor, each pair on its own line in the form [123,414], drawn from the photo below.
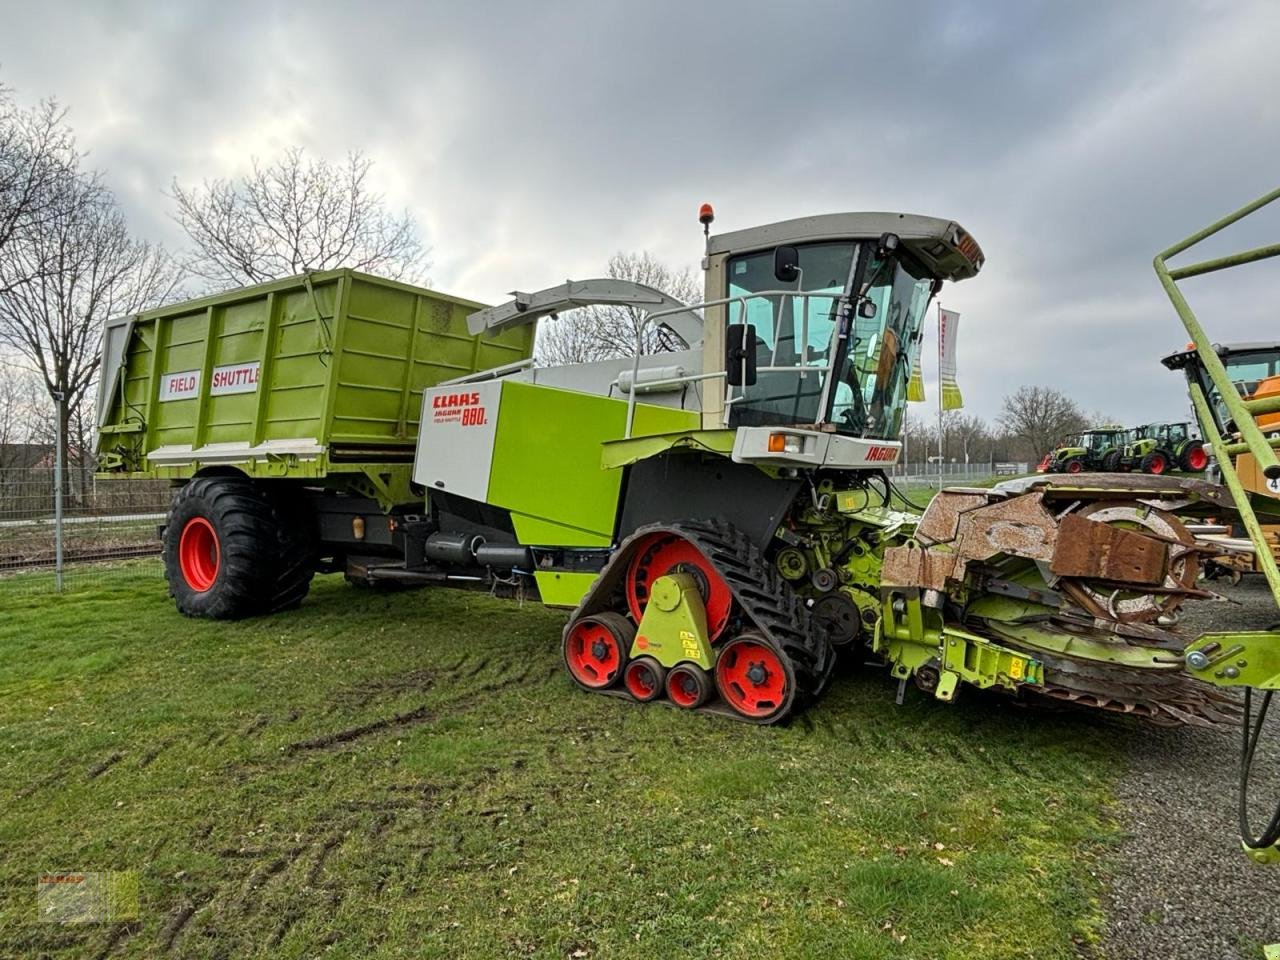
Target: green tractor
[718,519]
[1158,448]
[1091,451]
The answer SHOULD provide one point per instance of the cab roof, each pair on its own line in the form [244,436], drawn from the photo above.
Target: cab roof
[943,246]
[1180,358]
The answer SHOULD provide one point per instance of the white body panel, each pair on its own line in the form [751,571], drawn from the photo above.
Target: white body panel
[456,437]
[817,449]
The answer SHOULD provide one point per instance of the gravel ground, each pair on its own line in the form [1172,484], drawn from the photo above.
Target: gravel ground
[1182,887]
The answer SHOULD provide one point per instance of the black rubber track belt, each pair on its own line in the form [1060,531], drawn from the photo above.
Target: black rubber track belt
[764,601]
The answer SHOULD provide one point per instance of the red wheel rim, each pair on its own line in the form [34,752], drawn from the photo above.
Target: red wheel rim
[642,680]
[683,688]
[593,654]
[751,678]
[1157,464]
[199,556]
[1075,467]
[662,553]
[1197,459]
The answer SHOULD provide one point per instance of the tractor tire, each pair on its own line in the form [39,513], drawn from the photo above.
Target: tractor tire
[1155,463]
[1073,466]
[1194,458]
[220,548]
[1111,462]
[298,545]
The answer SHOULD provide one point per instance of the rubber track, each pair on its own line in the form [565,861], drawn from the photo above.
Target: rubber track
[765,599]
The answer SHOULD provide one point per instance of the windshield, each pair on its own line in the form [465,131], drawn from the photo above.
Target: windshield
[868,392]
[1247,370]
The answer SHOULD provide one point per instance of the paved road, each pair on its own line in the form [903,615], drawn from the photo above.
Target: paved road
[1183,888]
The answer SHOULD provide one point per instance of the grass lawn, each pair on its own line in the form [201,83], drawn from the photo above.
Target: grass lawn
[413,774]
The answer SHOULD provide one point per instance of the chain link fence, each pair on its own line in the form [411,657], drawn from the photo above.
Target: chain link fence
[105,525]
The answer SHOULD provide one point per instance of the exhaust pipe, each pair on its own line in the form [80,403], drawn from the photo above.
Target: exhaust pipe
[470,550]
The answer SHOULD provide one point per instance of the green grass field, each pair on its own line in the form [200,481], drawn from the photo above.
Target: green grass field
[412,774]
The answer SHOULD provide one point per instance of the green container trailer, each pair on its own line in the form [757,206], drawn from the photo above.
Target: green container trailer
[317,377]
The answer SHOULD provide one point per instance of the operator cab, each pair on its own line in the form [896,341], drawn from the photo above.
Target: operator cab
[823,316]
[1254,370]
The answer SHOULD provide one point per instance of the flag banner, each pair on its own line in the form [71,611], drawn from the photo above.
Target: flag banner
[915,386]
[948,327]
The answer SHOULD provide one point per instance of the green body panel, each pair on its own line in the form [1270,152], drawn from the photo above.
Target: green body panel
[340,360]
[911,636]
[546,461]
[622,453]
[563,588]
[1249,659]
[674,626]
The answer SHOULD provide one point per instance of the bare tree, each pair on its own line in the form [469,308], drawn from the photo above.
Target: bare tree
[23,414]
[1038,417]
[93,270]
[37,160]
[294,215]
[603,332]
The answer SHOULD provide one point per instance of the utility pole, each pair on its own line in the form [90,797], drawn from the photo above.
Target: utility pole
[942,454]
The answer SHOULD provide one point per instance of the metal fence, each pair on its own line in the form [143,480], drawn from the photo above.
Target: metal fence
[955,474]
[104,525]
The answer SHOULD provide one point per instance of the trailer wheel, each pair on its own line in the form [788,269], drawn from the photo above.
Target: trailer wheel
[220,549]
[297,549]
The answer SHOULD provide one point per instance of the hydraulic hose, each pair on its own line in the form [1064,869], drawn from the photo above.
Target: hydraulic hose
[1270,836]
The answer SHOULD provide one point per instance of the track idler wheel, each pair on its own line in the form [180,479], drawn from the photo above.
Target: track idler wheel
[755,678]
[645,678]
[664,553]
[689,686]
[596,649]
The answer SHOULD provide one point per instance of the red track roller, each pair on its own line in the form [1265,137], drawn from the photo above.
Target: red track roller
[596,649]
[644,678]
[754,678]
[688,686]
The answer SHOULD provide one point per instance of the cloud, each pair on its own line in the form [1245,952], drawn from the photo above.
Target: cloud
[533,140]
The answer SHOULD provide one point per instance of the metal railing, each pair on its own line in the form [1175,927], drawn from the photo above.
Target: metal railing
[1241,411]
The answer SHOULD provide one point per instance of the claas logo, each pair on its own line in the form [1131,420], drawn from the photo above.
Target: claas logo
[455,400]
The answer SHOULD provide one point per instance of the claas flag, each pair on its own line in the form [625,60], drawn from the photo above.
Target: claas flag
[948,326]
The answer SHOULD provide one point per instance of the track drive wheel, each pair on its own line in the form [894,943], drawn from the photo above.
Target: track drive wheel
[645,678]
[689,686]
[596,649]
[755,678]
[664,553]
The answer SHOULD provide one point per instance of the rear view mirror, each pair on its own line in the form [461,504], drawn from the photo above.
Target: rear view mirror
[740,354]
[867,309]
[786,264]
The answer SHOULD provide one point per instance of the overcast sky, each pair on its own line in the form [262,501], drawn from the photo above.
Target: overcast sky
[532,140]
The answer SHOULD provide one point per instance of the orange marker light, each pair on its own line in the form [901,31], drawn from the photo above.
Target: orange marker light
[777,443]
[706,214]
